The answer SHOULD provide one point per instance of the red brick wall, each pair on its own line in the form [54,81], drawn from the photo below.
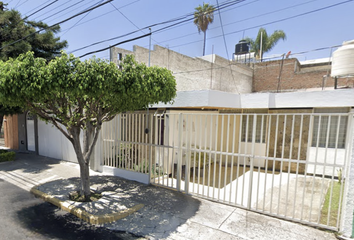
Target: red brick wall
[293,76]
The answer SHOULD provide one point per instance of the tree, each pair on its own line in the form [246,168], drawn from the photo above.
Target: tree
[268,42]
[75,95]
[12,28]
[203,16]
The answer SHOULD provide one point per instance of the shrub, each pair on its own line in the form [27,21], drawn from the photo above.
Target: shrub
[6,156]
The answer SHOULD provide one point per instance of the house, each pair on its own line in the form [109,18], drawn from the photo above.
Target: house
[273,137]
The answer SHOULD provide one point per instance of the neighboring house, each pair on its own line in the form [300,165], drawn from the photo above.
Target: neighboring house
[240,134]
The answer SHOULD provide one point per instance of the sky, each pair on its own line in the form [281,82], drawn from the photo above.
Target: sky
[309,24]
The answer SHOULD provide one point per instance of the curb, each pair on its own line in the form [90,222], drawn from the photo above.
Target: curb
[87,217]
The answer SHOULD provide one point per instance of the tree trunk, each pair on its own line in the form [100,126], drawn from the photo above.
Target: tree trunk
[84,165]
[204,43]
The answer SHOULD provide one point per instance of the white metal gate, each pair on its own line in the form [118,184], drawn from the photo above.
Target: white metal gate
[289,165]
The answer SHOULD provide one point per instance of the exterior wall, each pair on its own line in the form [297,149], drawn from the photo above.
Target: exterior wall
[294,76]
[52,143]
[22,140]
[276,148]
[209,72]
[11,131]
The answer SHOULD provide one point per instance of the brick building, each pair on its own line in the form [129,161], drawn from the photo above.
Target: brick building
[291,75]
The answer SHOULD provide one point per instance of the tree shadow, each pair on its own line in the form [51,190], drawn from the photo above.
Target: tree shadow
[48,221]
[164,209]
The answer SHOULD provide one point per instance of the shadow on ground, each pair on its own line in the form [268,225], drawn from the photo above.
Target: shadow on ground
[48,221]
[164,209]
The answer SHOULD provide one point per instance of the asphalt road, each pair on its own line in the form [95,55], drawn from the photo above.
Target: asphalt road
[22,216]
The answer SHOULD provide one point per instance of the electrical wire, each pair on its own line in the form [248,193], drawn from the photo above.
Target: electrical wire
[272,22]
[74,16]
[242,20]
[63,9]
[181,19]
[106,48]
[40,9]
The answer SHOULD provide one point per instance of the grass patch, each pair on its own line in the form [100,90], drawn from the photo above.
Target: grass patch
[6,156]
[332,209]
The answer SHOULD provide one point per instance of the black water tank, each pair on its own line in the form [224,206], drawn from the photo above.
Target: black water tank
[242,47]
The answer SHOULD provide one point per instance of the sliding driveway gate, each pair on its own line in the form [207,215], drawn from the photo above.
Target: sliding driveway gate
[288,165]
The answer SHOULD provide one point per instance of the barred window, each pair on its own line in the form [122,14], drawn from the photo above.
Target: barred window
[328,130]
[247,127]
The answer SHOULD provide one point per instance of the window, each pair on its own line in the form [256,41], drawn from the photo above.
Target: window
[328,130]
[247,127]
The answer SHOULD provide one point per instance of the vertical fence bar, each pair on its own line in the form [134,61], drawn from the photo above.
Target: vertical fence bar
[274,159]
[281,162]
[298,160]
[210,144]
[309,143]
[188,154]
[179,163]
[250,186]
[227,156]
[233,156]
[290,158]
[346,167]
[215,152]
[270,117]
[221,150]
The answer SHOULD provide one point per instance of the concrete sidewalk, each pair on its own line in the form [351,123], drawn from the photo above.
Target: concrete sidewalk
[165,214]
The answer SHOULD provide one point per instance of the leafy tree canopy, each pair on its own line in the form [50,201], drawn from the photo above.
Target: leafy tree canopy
[81,95]
[44,44]
[13,27]
[203,16]
[268,41]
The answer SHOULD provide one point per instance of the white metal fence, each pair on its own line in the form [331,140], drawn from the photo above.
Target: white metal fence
[286,165]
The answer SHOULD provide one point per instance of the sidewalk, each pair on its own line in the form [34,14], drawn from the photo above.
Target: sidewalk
[164,213]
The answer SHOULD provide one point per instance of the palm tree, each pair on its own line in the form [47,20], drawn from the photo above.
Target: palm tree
[268,42]
[203,16]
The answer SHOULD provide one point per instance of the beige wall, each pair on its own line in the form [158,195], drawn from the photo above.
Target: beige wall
[210,72]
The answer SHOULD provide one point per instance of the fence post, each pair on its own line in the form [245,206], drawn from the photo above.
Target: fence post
[249,200]
[180,151]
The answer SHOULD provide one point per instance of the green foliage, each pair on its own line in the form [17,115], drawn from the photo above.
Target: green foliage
[72,92]
[6,156]
[268,42]
[13,28]
[203,16]
[201,158]
[81,95]
[331,205]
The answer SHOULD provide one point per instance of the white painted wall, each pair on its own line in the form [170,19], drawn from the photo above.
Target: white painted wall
[31,142]
[322,155]
[52,143]
[259,150]
[218,99]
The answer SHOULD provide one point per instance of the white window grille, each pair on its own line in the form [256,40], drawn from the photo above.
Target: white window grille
[247,126]
[329,131]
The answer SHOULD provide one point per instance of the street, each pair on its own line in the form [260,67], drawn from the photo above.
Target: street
[25,217]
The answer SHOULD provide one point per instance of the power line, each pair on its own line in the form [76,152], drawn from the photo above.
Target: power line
[104,14]
[272,22]
[62,10]
[242,20]
[106,48]
[182,19]
[76,15]
[40,9]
